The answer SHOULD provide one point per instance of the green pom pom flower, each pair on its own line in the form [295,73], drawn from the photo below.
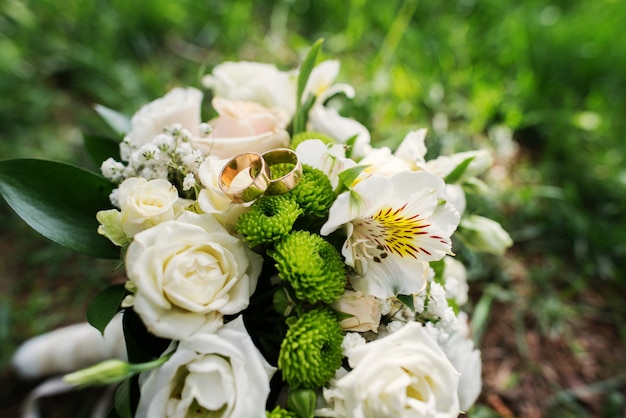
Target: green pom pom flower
[314,194]
[311,265]
[269,219]
[303,136]
[311,351]
[279,412]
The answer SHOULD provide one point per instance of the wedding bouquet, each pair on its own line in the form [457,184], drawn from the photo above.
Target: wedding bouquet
[277,263]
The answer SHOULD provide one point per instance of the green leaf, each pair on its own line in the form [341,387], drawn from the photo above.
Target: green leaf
[119,122]
[101,148]
[104,306]
[456,174]
[307,67]
[407,300]
[301,117]
[438,267]
[350,145]
[347,177]
[60,201]
[302,109]
[122,400]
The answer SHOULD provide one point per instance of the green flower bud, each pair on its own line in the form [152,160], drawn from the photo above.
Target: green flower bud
[303,136]
[269,219]
[111,227]
[311,352]
[314,194]
[279,412]
[302,401]
[104,373]
[311,265]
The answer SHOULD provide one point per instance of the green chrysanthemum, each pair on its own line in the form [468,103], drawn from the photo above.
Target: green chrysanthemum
[311,351]
[303,136]
[279,412]
[314,194]
[311,265]
[269,219]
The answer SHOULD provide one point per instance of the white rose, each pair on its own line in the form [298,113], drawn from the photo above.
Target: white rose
[243,127]
[256,82]
[189,273]
[144,204]
[365,311]
[180,106]
[219,374]
[405,374]
[466,359]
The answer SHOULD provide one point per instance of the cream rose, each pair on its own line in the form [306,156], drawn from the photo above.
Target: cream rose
[219,374]
[365,311]
[405,374]
[189,273]
[180,106]
[243,127]
[144,204]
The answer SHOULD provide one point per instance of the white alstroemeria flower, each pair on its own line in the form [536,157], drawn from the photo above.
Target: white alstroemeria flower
[330,159]
[219,374]
[328,121]
[445,164]
[394,226]
[412,149]
[180,106]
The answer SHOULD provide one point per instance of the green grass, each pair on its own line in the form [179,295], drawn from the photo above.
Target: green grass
[542,83]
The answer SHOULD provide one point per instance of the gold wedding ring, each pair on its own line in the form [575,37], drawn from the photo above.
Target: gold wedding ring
[245,177]
[290,180]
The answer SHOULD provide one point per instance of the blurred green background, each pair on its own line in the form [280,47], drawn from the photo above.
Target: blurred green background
[542,83]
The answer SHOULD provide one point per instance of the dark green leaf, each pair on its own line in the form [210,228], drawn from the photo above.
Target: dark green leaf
[60,201]
[119,122]
[101,148]
[456,174]
[140,344]
[122,400]
[407,300]
[104,306]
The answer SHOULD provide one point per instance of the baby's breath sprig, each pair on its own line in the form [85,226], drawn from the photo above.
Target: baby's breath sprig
[269,219]
[311,265]
[311,352]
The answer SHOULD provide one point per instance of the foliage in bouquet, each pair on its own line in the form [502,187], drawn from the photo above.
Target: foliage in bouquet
[338,295]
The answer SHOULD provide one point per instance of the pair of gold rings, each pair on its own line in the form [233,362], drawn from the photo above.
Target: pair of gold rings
[247,176]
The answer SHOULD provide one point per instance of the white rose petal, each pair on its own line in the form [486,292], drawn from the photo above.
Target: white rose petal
[145,203]
[405,374]
[221,373]
[188,273]
[180,106]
